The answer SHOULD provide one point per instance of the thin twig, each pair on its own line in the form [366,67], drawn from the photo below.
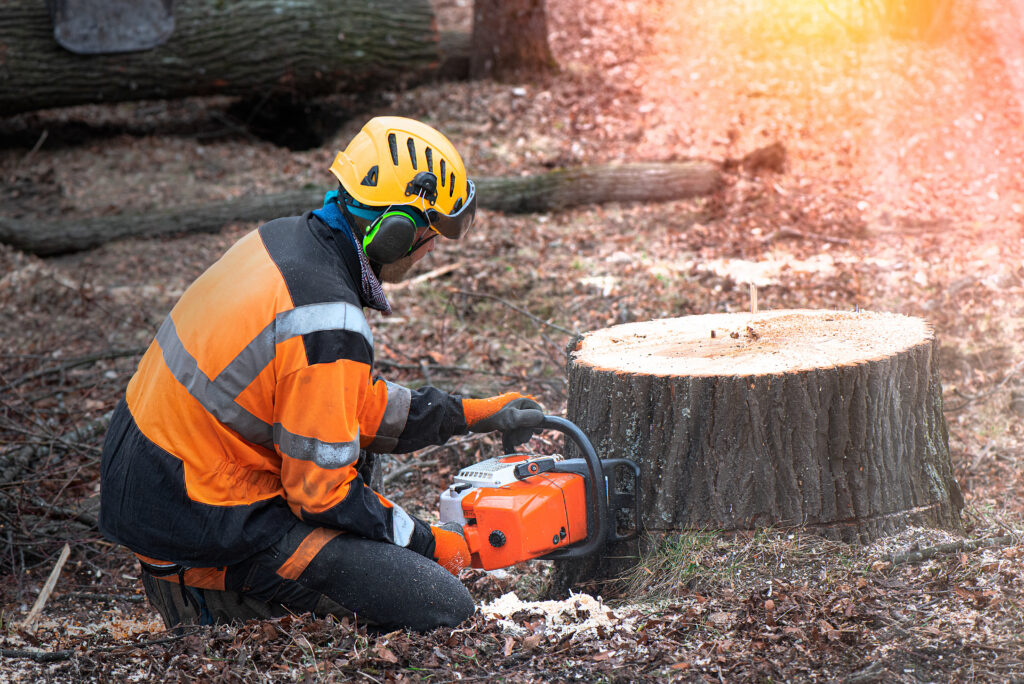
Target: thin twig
[44,594]
[407,468]
[422,460]
[518,309]
[59,512]
[37,656]
[439,368]
[459,441]
[74,363]
[984,395]
[787,232]
[94,596]
[424,277]
[14,461]
[951,547]
[425,370]
[56,656]
[39,143]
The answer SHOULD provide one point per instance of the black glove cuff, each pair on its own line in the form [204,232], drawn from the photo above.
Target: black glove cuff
[422,539]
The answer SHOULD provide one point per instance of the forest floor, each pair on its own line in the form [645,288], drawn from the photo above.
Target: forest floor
[901,192]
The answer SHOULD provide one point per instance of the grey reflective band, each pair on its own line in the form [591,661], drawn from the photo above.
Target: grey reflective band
[218,396]
[215,398]
[392,423]
[316,317]
[402,525]
[260,351]
[325,454]
[249,363]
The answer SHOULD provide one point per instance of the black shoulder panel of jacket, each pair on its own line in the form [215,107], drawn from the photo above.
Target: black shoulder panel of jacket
[316,271]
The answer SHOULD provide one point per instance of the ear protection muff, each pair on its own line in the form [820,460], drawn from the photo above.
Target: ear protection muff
[389,237]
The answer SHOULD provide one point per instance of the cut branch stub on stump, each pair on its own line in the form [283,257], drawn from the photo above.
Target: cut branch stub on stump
[825,420]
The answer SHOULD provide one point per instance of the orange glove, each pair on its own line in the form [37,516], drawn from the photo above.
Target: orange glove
[515,415]
[450,549]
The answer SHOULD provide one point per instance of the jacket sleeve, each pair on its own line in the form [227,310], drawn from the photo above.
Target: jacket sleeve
[317,435]
[398,420]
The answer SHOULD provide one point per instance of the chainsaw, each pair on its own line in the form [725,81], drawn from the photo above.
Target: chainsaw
[520,507]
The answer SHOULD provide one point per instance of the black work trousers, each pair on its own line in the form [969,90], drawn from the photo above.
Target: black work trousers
[322,571]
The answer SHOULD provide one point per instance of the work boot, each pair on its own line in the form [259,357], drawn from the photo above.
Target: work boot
[230,606]
[177,604]
[183,605]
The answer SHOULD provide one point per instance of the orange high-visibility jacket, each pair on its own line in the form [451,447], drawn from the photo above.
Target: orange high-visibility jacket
[250,407]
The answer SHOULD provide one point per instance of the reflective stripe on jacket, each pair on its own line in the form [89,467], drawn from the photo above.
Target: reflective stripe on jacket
[250,408]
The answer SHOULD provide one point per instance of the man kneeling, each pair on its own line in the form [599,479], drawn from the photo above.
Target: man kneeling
[236,466]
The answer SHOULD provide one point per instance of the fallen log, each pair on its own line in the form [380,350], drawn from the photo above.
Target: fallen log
[827,421]
[248,47]
[582,185]
[543,192]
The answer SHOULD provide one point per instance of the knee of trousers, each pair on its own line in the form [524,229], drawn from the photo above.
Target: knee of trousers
[447,607]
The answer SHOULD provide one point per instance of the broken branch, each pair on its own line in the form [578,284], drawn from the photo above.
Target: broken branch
[518,309]
[44,594]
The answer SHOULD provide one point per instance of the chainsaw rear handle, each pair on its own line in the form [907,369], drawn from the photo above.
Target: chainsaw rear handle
[596,489]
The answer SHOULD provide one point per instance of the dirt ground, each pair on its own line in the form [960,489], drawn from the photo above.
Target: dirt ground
[901,192]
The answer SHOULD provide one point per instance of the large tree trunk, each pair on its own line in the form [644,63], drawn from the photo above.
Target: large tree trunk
[510,40]
[538,193]
[241,47]
[827,421]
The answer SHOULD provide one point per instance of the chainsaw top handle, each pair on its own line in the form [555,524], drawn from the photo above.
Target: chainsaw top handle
[596,488]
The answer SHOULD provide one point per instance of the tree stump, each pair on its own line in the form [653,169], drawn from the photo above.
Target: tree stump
[827,421]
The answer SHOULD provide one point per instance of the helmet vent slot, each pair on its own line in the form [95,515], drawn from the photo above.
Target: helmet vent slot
[371,177]
[451,187]
[412,152]
[430,159]
[442,173]
[393,144]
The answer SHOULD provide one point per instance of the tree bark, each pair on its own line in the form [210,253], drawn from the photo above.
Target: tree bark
[510,40]
[244,47]
[515,194]
[825,421]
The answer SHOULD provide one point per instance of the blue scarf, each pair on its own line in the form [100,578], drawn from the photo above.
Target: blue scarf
[372,292]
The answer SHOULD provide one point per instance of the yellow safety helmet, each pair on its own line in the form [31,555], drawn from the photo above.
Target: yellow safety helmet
[398,161]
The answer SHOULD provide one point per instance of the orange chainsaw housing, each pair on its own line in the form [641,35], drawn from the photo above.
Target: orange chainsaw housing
[525,519]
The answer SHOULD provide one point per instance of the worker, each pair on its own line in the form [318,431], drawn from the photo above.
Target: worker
[236,467]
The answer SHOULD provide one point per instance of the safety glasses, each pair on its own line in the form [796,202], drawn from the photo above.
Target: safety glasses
[453,226]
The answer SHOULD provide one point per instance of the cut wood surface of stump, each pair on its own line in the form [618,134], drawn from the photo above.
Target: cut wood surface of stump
[825,420]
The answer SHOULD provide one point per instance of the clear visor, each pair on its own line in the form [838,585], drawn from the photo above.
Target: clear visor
[453,226]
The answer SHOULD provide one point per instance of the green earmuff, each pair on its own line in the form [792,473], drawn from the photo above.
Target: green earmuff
[389,237]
